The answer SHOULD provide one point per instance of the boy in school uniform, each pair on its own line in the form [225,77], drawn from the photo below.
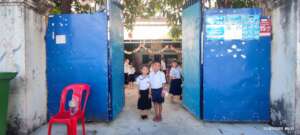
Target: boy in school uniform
[158,89]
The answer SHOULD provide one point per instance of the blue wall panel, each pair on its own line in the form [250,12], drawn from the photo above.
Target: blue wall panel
[191,58]
[117,59]
[236,72]
[83,58]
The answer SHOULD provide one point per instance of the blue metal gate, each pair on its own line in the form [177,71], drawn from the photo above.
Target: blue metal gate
[236,66]
[117,59]
[78,51]
[191,49]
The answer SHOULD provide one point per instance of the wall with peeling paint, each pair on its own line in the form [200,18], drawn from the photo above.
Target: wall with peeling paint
[297,100]
[22,50]
[285,65]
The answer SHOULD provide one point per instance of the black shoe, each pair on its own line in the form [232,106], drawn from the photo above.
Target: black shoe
[144,117]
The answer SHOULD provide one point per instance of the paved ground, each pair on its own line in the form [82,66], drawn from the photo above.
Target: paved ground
[176,121]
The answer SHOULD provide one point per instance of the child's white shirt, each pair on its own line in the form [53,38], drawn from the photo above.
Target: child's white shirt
[157,79]
[175,72]
[143,82]
[131,71]
[126,68]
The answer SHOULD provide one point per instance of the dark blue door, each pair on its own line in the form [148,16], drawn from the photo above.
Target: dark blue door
[77,52]
[116,61]
[191,51]
[236,66]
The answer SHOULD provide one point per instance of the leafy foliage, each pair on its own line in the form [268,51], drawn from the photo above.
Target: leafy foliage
[170,9]
[133,9]
[237,3]
[66,6]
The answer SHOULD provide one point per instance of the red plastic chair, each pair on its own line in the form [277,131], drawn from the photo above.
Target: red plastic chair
[64,116]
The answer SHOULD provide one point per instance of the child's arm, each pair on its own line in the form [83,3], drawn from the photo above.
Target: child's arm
[164,82]
[150,90]
[164,91]
[165,86]
[137,81]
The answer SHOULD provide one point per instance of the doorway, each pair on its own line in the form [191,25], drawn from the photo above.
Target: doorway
[142,49]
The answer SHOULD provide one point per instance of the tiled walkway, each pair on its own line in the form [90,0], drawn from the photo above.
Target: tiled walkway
[176,121]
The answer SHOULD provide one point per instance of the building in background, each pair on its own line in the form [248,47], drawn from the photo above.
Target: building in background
[150,41]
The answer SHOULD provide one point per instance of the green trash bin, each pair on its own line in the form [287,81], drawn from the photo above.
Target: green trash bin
[4,88]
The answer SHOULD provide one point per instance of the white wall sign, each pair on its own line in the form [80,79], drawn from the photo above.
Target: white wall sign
[60,39]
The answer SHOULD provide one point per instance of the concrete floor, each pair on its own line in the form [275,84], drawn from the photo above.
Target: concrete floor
[176,121]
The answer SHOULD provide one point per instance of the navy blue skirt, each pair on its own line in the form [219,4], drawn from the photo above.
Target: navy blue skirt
[126,78]
[131,78]
[144,102]
[157,96]
[175,88]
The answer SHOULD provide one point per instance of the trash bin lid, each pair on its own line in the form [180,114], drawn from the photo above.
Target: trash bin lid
[7,75]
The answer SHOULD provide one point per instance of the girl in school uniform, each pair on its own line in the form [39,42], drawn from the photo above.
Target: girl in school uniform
[175,76]
[126,69]
[144,101]
[131,75]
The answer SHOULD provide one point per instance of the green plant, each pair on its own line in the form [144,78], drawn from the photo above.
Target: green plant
[133,9]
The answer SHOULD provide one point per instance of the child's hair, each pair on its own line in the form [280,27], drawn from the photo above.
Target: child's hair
[156,62]
[143,66]
[174,61]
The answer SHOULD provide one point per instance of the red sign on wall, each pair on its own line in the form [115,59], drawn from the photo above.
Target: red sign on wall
[265,27]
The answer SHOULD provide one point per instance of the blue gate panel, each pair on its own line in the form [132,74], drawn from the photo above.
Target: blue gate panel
[117,59]
[77,52]
[236,66]
[191,58]
[265,70]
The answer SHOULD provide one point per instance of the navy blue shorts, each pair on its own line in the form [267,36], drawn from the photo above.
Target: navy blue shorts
[156,96]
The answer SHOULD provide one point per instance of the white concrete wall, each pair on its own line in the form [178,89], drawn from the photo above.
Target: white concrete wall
[35,53]
[297,123]
[285,66]
[22,50]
